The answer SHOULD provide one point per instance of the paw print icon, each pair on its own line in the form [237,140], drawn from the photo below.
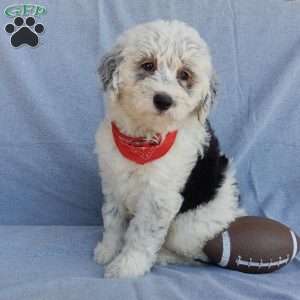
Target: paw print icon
[24,32]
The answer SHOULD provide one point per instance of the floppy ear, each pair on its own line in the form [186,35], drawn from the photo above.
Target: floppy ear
[213,89]
[108,69]
[210,98]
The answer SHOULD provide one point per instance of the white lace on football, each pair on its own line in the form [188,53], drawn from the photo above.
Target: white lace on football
[261,264]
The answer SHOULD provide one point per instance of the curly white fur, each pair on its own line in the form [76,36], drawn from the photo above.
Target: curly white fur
[141,225]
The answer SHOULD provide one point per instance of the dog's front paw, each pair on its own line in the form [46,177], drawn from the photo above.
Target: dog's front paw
[104,253]
[128,265]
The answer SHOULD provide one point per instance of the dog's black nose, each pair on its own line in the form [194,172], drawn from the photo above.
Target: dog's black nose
[162,101]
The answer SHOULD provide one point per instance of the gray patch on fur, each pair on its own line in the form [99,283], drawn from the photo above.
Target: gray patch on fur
[213,87]
[211,96]
[109,65]
[141,75]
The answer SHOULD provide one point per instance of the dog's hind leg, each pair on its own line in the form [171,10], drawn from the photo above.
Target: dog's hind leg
[165,257]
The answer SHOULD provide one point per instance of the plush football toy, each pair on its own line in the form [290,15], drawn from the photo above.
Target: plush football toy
[253,245]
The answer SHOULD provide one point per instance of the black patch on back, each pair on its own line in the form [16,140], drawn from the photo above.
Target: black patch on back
[206,176]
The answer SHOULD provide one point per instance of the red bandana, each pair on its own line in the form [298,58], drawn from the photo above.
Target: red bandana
[138,149]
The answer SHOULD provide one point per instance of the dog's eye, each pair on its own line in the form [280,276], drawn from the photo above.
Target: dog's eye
[184,75]
[148,66]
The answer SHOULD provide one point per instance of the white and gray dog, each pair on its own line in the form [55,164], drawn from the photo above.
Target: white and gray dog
[167,187]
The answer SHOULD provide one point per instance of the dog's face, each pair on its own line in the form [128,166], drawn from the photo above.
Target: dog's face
[159,74]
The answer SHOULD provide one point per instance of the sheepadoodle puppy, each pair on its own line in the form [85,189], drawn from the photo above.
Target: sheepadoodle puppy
[167,187]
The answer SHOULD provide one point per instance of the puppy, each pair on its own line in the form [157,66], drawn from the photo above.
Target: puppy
[167,187]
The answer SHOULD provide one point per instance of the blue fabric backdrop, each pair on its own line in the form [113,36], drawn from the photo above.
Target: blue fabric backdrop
[50,107]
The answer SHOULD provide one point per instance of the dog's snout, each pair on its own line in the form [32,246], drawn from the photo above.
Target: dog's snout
[162,101]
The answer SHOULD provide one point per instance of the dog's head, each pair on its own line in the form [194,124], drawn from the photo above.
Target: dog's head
[159,74]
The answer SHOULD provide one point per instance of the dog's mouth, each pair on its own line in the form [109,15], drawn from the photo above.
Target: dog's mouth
[167,115]
[161,113]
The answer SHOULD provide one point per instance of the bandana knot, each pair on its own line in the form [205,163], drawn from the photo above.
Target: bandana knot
[141,150]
